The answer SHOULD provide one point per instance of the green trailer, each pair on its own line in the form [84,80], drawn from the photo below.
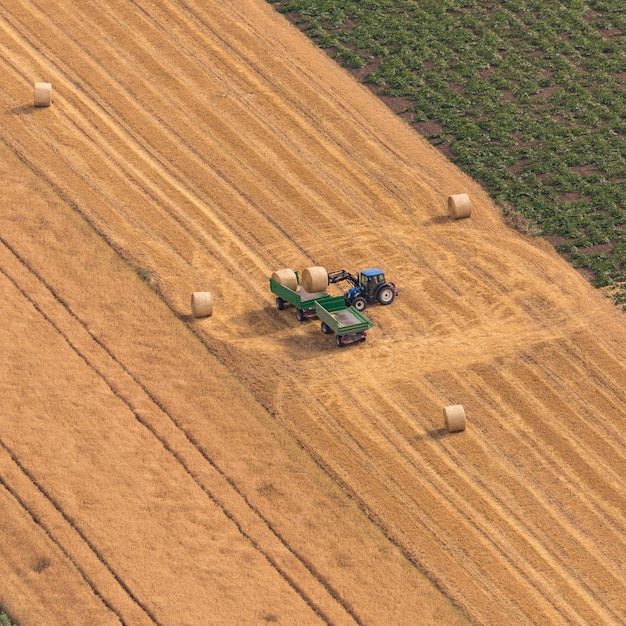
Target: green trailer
[302,300]
[349,324]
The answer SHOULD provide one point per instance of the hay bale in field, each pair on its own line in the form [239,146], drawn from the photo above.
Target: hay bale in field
[454,417]
[459,206]
[286,277]
[201,304]
[315,279]
[43,94]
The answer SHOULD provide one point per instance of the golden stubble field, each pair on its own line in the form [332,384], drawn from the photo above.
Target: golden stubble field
[241,469]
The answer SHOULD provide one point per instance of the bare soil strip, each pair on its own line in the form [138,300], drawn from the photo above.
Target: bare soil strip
[241,465]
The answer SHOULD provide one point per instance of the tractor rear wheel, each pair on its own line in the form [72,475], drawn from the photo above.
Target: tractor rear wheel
[385,295]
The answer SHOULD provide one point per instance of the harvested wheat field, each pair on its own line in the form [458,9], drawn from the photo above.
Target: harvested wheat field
[239,468]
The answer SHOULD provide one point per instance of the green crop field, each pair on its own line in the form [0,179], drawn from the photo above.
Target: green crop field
[5,620]
[527,97]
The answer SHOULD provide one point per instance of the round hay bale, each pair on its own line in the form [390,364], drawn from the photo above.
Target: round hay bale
[43,94]
[201,304]
[286,277]
[454,417]
[459,206]
[315,279]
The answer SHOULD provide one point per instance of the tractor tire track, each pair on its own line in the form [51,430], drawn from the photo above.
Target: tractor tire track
[68,537]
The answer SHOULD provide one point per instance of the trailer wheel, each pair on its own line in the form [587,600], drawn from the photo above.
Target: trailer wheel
[326,329]
[300,315]
[359,303]
[385,295]
[280,304]
[339,341]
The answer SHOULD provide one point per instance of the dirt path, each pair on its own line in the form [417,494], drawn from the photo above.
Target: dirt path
[242,466]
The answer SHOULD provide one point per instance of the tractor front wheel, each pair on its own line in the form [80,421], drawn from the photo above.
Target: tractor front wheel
[359,303]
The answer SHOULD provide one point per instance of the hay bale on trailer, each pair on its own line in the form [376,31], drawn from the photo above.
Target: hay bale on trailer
[286,277]
[315,279]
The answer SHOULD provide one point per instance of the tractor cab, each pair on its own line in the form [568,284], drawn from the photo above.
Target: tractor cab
[369,281]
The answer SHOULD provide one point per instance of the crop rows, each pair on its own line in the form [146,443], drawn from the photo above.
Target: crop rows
[525,96]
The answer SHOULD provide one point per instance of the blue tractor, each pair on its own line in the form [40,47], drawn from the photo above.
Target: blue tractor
[368,287]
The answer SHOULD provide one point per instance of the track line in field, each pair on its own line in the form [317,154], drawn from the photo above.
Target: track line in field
[595,507]
[281,557]
[606,456]
[62,538]
[72,523]
[546,401]
[585,512]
